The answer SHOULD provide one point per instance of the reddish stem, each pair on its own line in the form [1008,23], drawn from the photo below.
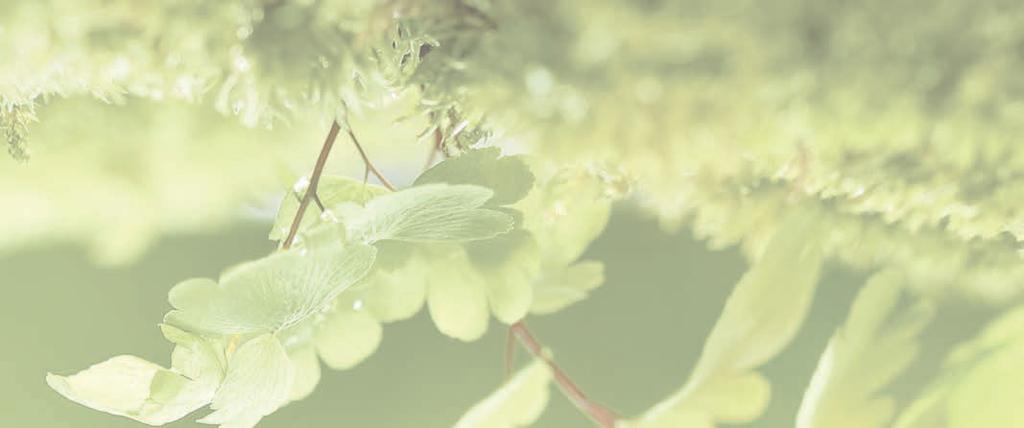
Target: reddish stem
[602,416]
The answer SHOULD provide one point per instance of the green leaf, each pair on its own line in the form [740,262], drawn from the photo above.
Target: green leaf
[760,318]
[196,357]
[428,213]
[332,190]
[981,382]
[518,403]
[397,294]
[508,176]
[259,380]
[271,293]
[138,389]
[558,288]
[769,303]
[990,394]
[565,214]
[509,293]
[508,264]
[306,367]
[119,386]
[457,296]
[877,343]
[347,336]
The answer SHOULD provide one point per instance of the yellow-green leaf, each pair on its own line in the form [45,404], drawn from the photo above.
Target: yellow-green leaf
[760,318]
[271,293]
[258,381]
[347,337]
[877,342]
[457,296]
[518,403]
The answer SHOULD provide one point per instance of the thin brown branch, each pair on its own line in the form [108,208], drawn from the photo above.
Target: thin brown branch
[600,415]
[366,160]
[314,181]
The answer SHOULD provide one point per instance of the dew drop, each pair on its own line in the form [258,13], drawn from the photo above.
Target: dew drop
[328,216]
[301,185]
[242,64]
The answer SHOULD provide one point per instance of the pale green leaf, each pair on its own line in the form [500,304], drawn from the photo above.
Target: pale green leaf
[397,294]
[726,398]
[927,411]
[877,342]
[734,399]
[981,382]
[558,288]
[565,214]
[428,213]
[271,293]
[508,176]
[258,381]
[518,403]
[306,367]
[769,303]
[119,386]
[332,190]
[760,318]
[196,357]
[508,264]
[509,293]
[138,389]
[457,296]
[991,393]
[347,337]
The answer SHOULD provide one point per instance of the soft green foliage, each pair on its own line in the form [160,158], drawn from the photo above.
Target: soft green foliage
[463,284]
[709,106]
[877,342]
[258,381]
[981,383]
[427,213]
[306,367]
[129,386]
[568,210]
[374,257]
[510,179]
[518,403]
[879,135]
[347,336]
[761,317]
[270,294]
[456,297]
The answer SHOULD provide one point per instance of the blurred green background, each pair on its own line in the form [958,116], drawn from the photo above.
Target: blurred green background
[629,345]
